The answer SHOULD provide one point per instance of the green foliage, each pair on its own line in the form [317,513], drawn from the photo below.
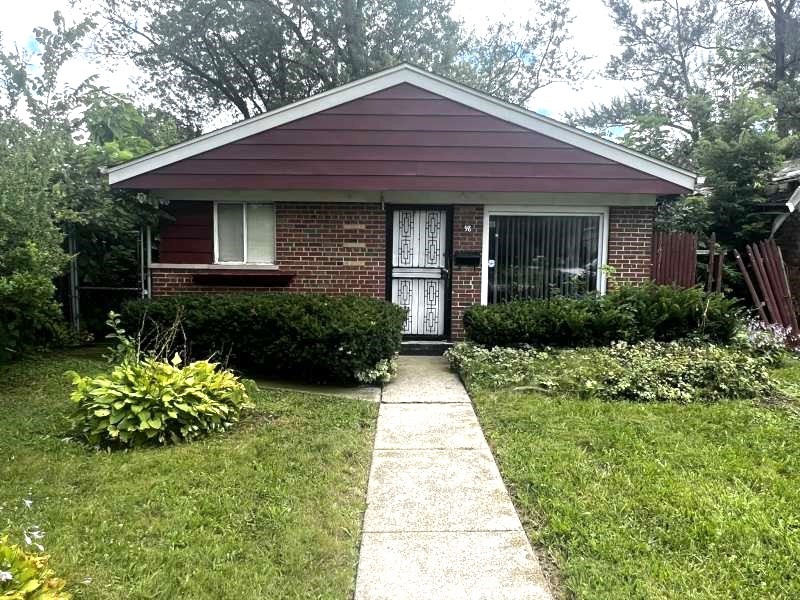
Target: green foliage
[206,57]
[30,242]
[629,313]
[665,50]
[769,342]
[383,372]
[644,372]
[25,576]
[308,336]
[738,156]
[255,511]
[51,173]
[149,401]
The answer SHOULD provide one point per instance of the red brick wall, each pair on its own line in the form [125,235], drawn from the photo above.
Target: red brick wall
[332,248]
[466,283]
[340,248]
[630,237]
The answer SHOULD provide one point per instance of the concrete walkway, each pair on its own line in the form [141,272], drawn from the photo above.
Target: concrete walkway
[439,522]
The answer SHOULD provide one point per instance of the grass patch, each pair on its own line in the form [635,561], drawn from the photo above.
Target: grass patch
[271,509]
[655,500]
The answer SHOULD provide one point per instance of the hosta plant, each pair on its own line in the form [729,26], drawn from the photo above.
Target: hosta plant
[146,401]
[25,576]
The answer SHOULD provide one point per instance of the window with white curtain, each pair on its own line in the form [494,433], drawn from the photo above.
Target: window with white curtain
[245,233]
[540,256]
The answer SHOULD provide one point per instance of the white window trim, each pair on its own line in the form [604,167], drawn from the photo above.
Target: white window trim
[550,211]
[244,204]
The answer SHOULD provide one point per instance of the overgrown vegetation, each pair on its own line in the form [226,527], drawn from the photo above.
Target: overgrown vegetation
[308,336]
[629,313]
[272,509]
[643,372]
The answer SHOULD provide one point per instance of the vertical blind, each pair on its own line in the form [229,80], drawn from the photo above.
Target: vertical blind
[260,233]
[245,233]
[230,232]
[540,256]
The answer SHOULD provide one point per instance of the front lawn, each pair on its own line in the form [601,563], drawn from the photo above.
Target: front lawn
[657,500]
[271,509]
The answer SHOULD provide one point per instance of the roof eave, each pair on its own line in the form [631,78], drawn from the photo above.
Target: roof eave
[381,80]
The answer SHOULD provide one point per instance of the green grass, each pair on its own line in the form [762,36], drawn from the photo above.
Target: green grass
[655,500]
[271,509]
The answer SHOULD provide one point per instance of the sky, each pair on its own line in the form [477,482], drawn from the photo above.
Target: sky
[593,35]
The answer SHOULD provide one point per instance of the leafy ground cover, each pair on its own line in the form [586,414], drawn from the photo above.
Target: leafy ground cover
[655,500]
[271,509]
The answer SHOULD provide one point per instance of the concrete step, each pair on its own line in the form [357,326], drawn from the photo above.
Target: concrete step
[424,347]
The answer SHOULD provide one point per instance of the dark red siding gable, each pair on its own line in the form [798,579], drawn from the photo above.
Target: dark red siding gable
[402,138]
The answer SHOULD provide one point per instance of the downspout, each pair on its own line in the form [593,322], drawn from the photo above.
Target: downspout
[791,206]
[149,259]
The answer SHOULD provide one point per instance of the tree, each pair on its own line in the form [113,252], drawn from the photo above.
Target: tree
[31,200]
[514,60]
[51,181]
[764,35]
[738,157]
[690,59]
[31,253]
[667,51]
[250,56]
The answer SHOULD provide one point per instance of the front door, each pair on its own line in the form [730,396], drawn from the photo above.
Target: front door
[419,269]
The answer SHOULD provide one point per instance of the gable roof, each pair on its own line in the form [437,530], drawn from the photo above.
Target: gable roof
[394,76]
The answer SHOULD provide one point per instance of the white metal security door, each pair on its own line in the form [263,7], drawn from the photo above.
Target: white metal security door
[419,269]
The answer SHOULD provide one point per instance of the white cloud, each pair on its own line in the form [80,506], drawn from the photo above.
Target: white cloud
[593,34]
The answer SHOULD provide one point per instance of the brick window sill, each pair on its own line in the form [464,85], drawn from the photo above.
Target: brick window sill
[242,278]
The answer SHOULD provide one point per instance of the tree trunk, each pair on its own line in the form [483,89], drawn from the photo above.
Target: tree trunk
[780,22]
[353,14]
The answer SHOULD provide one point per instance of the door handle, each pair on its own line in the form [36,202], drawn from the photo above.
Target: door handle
[445,271]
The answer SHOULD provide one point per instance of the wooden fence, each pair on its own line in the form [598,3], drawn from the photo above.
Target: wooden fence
[674,258]
[770,290]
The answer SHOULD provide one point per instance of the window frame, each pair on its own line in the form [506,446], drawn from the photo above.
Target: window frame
[243,204]
[546,211]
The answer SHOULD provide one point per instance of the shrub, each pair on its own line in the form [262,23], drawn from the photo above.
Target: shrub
[31,253]
[767,341]
[643,372]
[25,576]
[308,336]
[29,316]
[149,401]
[630,313]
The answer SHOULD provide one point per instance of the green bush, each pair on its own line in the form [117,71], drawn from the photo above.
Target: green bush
[630,313]
[307,336]
[29,316]
[31,253]
[644,372]
[149,401]
[25,576]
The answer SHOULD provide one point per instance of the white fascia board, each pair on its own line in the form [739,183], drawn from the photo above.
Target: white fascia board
[428,81]
[237,131]
[793,201]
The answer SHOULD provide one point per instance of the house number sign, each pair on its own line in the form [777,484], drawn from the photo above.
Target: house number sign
[468,228]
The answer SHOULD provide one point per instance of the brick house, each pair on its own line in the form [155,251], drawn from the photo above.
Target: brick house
[406,186]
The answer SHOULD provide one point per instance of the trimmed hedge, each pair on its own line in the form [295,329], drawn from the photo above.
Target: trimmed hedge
[630,313]
[307,336]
